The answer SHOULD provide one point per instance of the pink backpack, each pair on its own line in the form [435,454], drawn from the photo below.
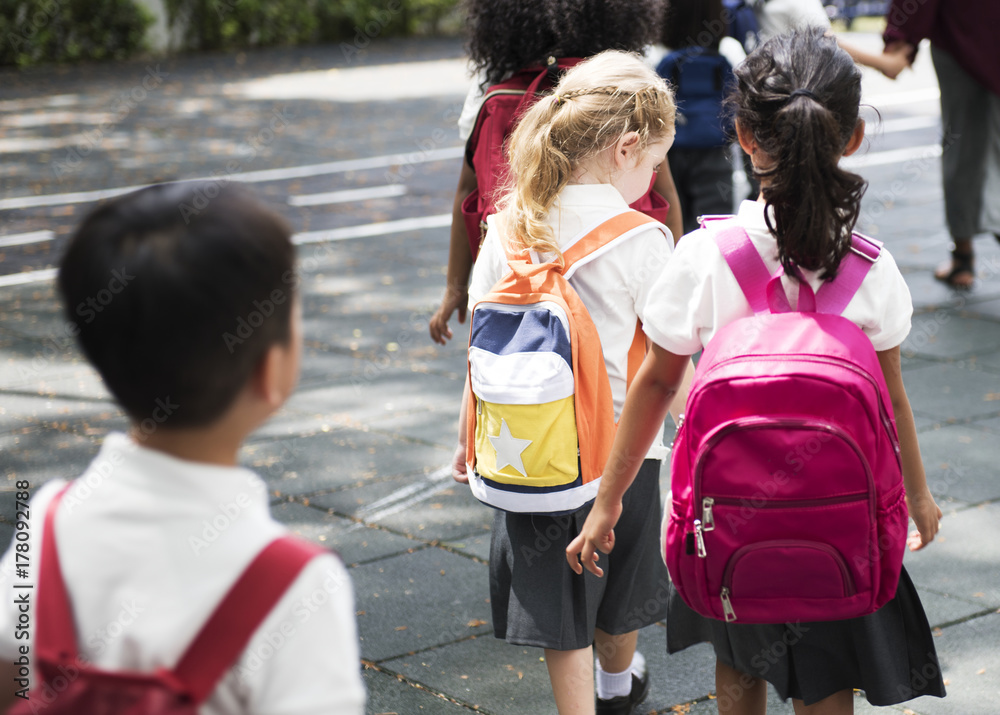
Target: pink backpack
[68,685]
[788,500]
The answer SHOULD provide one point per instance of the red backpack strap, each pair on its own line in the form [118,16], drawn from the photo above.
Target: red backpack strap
[55,634]
[237,617]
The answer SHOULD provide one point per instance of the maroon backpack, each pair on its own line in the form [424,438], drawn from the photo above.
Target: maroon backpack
[71,686]
[485,152]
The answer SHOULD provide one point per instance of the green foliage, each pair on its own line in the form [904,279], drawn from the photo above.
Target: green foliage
[37,31]
[233,24]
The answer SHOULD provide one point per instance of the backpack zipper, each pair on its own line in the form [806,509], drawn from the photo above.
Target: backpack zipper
[707,522]
[883,414]
[727,576]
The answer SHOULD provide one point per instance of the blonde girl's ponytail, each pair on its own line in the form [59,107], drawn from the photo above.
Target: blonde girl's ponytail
[596,103]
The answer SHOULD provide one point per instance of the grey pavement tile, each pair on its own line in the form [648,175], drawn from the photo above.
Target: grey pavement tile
[929,293]
[21,413]
[380,393]
[477,545]
[336,458]
[40,455]
[429,507]
[962,561]
[970,665]
[354,542]
[675,679]
[988,309]
[946,335]
[949,391]
[941,609]
[418,601]
[961,463]
[991,425]
[387,694]
[435,426]
[485,672]
[776,706]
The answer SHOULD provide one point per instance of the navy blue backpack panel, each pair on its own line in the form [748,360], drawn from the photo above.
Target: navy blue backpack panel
[701,78]
[741,23]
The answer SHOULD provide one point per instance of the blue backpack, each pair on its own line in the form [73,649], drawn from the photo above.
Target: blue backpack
[741,22]
[701,78]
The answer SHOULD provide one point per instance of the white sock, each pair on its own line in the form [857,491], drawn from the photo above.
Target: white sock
[613,685]
[638,666]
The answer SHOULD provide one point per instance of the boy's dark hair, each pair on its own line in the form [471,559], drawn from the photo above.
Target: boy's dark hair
[815,202]
[506,36]
[693,23]
[178,290]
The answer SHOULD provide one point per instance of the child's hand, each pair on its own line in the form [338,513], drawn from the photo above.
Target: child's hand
[895,59]
[453,300]
[926,514]
[598,533]
[459,471]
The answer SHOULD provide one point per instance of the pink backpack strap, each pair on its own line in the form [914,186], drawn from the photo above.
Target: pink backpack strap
[237,617]
[834,295]
[746,264]
[221,639]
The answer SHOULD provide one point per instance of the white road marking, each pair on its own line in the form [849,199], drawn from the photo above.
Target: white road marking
[372,229]
[339,197]
[419,156]
[22,239]
[892,156]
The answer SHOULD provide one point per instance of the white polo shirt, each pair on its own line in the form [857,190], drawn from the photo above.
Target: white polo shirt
[698,294]
[613,287]
[150,544]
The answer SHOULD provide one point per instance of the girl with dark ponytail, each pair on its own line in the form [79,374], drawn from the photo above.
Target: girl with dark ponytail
[796,110]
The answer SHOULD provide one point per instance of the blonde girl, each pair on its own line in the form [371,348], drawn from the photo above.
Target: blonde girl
[577,158]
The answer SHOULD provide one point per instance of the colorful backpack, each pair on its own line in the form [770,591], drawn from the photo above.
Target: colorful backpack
[485,152]
[701,79]
[541,417]
[70,686]
[788,500]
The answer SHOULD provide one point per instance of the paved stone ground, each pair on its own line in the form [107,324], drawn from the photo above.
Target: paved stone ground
[356,459]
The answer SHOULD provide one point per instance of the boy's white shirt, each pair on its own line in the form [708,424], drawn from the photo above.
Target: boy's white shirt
[149,545]
[698,293]
[778,17]
[613,286]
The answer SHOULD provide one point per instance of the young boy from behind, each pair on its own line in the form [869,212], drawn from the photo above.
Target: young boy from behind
[200,343]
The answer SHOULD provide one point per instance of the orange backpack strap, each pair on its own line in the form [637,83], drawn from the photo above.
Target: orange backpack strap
[597,240]
[636,354]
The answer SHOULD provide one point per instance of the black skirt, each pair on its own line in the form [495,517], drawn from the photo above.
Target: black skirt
[537,600]
[890,654]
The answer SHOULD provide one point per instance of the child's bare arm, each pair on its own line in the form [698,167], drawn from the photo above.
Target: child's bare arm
[456,293]
[458,464]
[8,672]
[657,383]
[923,509]
[890,63]
[665,187]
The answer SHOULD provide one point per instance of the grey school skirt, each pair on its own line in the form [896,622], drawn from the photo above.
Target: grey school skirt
[536,598]
[889,654]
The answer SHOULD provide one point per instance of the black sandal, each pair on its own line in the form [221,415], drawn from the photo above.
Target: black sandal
[961,265]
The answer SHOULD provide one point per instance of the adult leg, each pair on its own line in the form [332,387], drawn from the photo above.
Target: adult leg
[571,673]
[964,114]
[737,693]
[840,703]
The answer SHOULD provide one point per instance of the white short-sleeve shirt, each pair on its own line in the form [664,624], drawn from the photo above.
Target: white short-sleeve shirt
[778,17]
[613,287]
[698,294]
[149,545]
